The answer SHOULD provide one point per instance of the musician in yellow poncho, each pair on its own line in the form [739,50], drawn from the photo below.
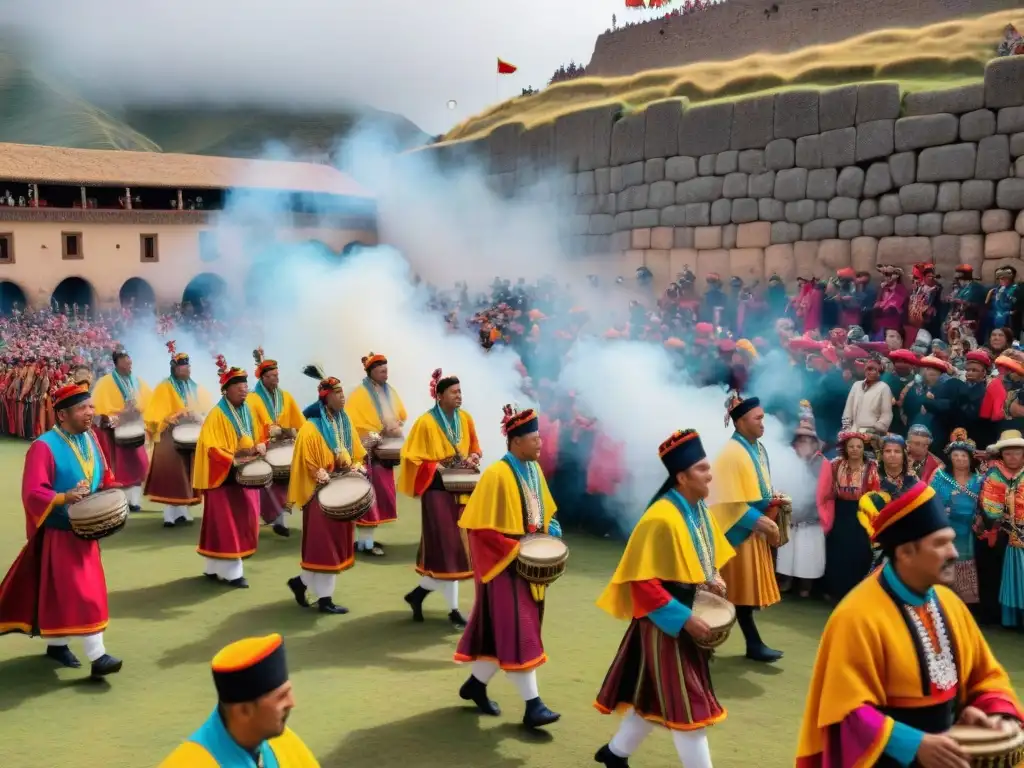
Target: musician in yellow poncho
[901,658]
[275,415]
[121,397]
[326,444]
[742,502]
[247,727]
[660,676]
[175,400]
[504,630]
[375,407]
[231,512]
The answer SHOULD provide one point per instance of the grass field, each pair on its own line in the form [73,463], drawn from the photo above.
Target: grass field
[373,688]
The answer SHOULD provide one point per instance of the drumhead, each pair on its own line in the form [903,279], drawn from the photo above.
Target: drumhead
[542,548]
[96,503]
[186,433]
[391,442]
[347,489]
[281,456]
[717,612]
[986,739]
[255,468]
[133,429]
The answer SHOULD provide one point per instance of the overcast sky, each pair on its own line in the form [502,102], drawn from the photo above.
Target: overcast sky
[405,56]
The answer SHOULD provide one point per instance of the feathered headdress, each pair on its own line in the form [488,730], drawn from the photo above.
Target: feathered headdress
[262,363]
[325,384]
[229,375]
[736,406]
[515,422]
[958,441]
[177,358]
[439,383]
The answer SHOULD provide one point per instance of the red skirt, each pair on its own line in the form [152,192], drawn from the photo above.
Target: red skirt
[129,465]
[385,509]
[231,522]
[170,475]
[665,679]
[443,553]
[328,546]
[55,588]
[273,500]
[504,626]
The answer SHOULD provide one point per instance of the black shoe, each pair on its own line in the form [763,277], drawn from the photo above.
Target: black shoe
[298,588]
[211,576]
[63,656]
[326,605]
[415,600]
[763,653]
[282,530]
[538,715]
[239,583]
[134,508]
[457,619]
[168,524]
[106,665]
[183,521]
[476,691]
[610,759]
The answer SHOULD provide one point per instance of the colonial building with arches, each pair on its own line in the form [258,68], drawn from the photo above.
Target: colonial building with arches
[109,228]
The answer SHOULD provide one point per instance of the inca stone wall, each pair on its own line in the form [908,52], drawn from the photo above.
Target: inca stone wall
[794,183]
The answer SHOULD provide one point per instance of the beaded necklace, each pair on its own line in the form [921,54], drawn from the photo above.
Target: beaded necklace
[274,402]
[452,429]
[375,398]
[240,417]
[697,522]
[186,388]
[126,385]
[340,434]
[81,447]
[529,480]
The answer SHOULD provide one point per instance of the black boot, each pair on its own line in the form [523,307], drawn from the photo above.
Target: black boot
[756,649]
[239,583]
[298,588]
[282,530]
[134,508]
[476,691]
[326,605]
[457,619]
[610,759]
[62,655]
[538,715]
[105,665]
[415,600]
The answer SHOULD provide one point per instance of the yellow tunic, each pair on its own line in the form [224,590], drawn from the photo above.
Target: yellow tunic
[312,453]
[361,410]
[426,445]
[288,749]
[166,403]
[215,451]
[290,416]
[109,401]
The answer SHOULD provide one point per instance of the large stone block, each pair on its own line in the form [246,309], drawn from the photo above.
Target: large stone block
[949,196]
[735,185]
[537,146]
[606,203]
[962,223]
[820,209]
[779,260]
[1002,245]
[744,210]
[1010,194]
[877,101]
[878,226]
[583,139]
[729,236]
[1010,120]
[996,220]
[633,198]
[620,241]
[843,208]
[769,209]
[977,195]
[682,237]
[762,184]
[661,129]
[503,147]
[821,184]
[862,254]
[905,225]
[925,131]
[623,220]
[954,162]
[675,216]
[868,208]
[820,229]
[791,184]
[715,260]
[874,139]
[800,211]
[721,212]
[1018,225]
[1004,82]
[648,217]
[796,114]
[641,239]
[707,237]
[805,254]
[602,180]
[580,224]
[704,189]
[850,229]
[918,198]
[946,251]
[781,153]
[662,238]
[753,123]
[904,251]
[585,183]
[654,170]
[705,129]
[706,165]
[628,136]
[834,255]
[993,158]
[837,107]
[903,168]
[838,147]
[1017,144]
[727,162]
[747,263]
[588,204]
[972,251]
[752,161]
[978,124]
[601,224]
[955,100]
[850,182]
[662,194]
[889,205]
[622,176]
[877,180]
[698,214]
[785,232]
[808,152]
[680,168]
[756,234]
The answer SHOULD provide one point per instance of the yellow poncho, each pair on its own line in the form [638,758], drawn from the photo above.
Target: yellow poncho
[290,416]
[215,452]
[363,413]
[660,547]
[109,401]
[288,748]
[427,445]
[166,403]
[312,453]
[735,486]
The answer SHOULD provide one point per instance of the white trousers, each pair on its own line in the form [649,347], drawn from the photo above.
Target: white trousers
[450,590]
[282,519]
[134,495]
[525,682]
[91,644]
[365,539]
[321,584]
[229,570]
[173,511]
[691,746]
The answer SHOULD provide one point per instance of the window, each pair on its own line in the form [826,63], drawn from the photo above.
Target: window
[208,246]
[72,248]
[6,248]
[148,248]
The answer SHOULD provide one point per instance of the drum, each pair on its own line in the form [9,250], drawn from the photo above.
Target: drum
[130,435]
[279,457]
[389,449]
[347,497]
[542,558]
[460,480]
[991,747]
[99,515]
[782,511]
[718,613]
[254,474]
[185,437]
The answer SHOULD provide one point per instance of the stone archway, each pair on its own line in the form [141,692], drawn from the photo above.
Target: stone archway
[11,297]
[137,293]
[71,291]
[205,292]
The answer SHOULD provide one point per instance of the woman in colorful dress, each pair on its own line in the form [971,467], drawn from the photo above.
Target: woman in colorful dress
[957,486]
[842,482]
[894,472]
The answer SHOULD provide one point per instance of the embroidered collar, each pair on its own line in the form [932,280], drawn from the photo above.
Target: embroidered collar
[902,591]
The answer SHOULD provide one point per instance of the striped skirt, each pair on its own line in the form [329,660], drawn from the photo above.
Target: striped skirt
[665,679]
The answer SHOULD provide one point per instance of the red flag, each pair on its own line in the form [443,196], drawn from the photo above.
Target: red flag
[504,68]
[635,4]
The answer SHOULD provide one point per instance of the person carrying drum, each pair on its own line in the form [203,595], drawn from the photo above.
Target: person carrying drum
[56,587]
[660,675]
[120,398]
[175,401]
[231,511]
[326,444]
[511,501]
[376,408]
[442,438]
[248,725]
[275,416]
[901,658]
